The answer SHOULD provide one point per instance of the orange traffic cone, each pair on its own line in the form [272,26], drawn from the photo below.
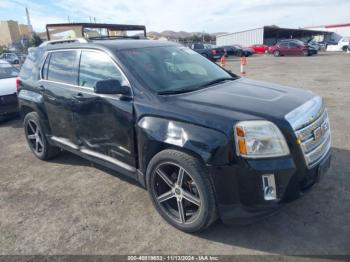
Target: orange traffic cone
[223,61]
[243,63]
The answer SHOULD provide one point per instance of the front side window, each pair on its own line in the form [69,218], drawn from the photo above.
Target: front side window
[63,67]
[171,69]
[283,44]
[97,66]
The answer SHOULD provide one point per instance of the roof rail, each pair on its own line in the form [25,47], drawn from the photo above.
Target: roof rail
[62,41]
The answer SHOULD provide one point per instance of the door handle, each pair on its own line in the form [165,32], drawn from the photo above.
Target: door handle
[79,96]
[41,88]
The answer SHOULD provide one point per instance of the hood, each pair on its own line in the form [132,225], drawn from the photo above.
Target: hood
[8,86]
[242,99]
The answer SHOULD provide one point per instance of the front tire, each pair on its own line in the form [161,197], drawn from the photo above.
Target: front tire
[181,190]
[276,53]
[36,138]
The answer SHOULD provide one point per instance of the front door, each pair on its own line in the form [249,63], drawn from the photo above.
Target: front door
[59,80]
[105,123]
[284,49]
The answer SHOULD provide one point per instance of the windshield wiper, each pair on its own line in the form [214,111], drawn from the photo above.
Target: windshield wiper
[179,91]
[187,90]
[216,81]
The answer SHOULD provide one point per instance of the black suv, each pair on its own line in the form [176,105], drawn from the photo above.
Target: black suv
[205,143]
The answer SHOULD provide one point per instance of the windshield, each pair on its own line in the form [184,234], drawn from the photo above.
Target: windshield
[7,71]
[172,69]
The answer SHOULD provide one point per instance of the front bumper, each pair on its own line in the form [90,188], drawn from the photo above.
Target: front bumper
[8,106]
[240,190]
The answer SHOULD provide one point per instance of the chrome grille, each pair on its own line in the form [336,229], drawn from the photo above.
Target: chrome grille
[311,125]
[315,139]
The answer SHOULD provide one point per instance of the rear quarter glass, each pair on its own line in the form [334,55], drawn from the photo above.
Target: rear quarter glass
[31,67]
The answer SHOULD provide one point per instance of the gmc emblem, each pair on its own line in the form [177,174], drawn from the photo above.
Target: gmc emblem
[318,132]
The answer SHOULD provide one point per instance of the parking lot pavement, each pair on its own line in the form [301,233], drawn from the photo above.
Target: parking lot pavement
[69,206]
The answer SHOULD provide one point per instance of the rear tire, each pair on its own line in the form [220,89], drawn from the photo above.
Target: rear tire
[36,138]
[181,190]
[306,53]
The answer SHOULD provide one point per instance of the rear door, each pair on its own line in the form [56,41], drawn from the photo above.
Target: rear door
[295,49]
[105,123]
[59,81]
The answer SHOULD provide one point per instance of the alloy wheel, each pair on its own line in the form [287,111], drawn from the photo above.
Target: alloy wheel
[35,137]
[176,192]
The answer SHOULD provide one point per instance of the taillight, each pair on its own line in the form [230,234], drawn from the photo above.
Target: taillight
[213,52]
[18,82]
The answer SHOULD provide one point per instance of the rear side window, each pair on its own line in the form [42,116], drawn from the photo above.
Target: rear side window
[96,66]
[63,67]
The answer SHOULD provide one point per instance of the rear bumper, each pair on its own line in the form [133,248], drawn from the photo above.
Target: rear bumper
[240,191]
[8,106]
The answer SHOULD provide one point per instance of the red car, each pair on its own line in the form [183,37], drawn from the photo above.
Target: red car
[291,48]
[260,49]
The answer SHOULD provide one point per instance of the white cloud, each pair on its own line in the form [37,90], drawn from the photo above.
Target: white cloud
[211,15]
[191,15]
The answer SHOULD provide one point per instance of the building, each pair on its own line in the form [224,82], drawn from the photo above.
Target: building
[268,35]
[25,30]
[11,32]
[337,31]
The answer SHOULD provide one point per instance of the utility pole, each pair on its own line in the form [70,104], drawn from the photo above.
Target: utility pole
[28,21]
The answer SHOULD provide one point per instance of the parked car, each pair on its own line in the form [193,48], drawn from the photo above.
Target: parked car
[342,45]
[204,142]
[314,45]
[211,52]
[8,90]
[283,48]
[260,49]
[237,50]
[10,57]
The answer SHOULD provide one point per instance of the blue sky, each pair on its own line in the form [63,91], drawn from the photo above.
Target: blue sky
[186,15]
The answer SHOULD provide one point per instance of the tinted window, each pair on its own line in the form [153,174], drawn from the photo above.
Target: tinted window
[283,44]
[63,67]
[291,44]
[198,46]
[96,66]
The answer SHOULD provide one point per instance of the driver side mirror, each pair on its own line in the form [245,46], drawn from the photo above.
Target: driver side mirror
[111,86]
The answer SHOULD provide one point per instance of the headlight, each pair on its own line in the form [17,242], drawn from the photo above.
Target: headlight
[259,139]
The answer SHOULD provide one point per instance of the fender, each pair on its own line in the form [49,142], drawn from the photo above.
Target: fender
[155,134]
[30,101]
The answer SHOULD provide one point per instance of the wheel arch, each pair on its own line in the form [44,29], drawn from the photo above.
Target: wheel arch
[156,134]
[30,101]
